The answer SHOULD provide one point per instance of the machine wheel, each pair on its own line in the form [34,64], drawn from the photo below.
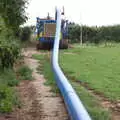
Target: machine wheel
[64,44]
[38,46]
[48,46]
[44,46]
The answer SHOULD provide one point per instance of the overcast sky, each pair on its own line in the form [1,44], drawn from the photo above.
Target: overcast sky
[89,12]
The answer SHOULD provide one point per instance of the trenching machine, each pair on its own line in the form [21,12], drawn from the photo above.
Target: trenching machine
[45,31]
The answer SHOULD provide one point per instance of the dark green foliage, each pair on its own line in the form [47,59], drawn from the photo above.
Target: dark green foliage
[25,33]
[9,52]
[88,33]
[94,34]
[25,73]
[9,47]
[12,15]
[13,82]
[8,77]
[13,12]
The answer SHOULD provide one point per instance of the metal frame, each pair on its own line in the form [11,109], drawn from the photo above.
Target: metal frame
[44,29]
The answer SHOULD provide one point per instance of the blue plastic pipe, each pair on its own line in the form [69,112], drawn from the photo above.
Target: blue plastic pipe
[74,105]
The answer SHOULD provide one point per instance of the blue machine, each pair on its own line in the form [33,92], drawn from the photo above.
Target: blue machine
[46,28]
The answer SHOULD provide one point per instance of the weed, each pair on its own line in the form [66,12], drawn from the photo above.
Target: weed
[8,98]
[8,77]
[25,73]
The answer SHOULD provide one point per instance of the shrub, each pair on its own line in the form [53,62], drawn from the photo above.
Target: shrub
[25,34]
[9,52]
[8,77]
[25,73]
[8,99]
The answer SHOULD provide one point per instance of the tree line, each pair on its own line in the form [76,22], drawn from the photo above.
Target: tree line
[93,34]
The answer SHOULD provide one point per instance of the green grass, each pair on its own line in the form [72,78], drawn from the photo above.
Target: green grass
[90,102]
[25,73]
[96,66]
[8,96]
[8,77]
[46,69]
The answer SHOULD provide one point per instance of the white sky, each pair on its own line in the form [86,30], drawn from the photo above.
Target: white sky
[89,12]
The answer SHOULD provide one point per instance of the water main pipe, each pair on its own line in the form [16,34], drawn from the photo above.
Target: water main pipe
[74,105]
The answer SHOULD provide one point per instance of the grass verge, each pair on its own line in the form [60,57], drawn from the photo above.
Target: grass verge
[8,79]
[8,96]
[46,69]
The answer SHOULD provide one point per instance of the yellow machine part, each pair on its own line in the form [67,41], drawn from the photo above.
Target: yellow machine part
[44,35]
[41,34]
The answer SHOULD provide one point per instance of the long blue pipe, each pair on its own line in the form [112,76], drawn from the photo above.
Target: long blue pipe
[74,105]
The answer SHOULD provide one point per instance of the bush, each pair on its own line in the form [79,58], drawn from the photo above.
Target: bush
[13,82]
[25,34]
[8,77]
[25,73]
[7,99]
[9,52]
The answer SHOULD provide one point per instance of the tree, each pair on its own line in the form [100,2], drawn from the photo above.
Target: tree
[94,34]
[13,13]
[25,33]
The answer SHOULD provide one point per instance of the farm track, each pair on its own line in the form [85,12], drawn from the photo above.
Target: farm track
[114,107]
[38,102]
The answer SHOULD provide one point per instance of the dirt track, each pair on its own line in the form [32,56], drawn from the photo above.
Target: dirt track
[39,103]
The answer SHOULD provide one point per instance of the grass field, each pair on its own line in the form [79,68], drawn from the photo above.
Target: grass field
[98,67]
